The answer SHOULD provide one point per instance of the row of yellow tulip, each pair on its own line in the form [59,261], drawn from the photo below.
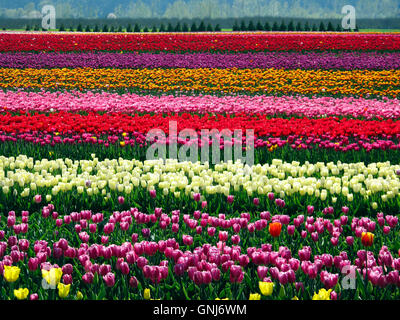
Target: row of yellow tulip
[271,81]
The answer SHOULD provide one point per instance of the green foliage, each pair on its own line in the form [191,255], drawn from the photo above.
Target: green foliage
[193,28]
[243,26]
[291,26]
[283,26]
[202,27]
[314,27]
[235,26]
[251,26]
[178,27]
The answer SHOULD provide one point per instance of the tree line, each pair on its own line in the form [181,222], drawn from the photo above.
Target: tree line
[267,23]
[203,27]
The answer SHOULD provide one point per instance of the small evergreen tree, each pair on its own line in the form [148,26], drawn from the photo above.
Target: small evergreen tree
[339,28]
[178,27]
[154,29]
[120,29]
[235,26]
[136,28]
[267,27]
[202,27]
[299,27]
[307,26]
[330,27]
[71,29]
[275,26]
[217,28]
[170,28]
[209,28]
[62,28]
[193,28]
[251,26]
[105,28]
[145,29]
[28,28]
[322,27]
[79,28]
[259,26]
[283,26]
[243,26]
[185,27]
[291,26]
[162,28]
[356,29]
[87,29]
[96,28]
[36,28]
[314,27]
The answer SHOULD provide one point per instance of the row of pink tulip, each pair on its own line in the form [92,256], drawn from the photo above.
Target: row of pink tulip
[208,262]
[138,139]
[45,101]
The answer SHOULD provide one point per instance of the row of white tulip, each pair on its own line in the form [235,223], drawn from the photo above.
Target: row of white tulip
[23,175]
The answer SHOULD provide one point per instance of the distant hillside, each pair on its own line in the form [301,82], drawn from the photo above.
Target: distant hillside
[200,8]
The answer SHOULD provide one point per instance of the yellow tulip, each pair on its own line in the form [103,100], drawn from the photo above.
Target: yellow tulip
[63,290]
[266,288]
[146,294]
[21,293]
[255,296]
[79,295]
[52,276]
[122,143]
[322,294]
[295,298]
[11,273]
[222,299]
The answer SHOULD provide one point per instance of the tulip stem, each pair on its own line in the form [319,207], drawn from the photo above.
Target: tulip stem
[366,272]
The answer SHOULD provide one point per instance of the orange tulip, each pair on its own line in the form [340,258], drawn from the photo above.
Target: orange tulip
[367,239]
[275,229]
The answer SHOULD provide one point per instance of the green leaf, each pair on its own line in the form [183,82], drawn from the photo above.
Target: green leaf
[101,294]
[282,293]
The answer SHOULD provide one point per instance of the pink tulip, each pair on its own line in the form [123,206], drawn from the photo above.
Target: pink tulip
[109,279]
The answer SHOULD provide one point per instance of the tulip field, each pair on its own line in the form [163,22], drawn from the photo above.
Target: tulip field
[85,215]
